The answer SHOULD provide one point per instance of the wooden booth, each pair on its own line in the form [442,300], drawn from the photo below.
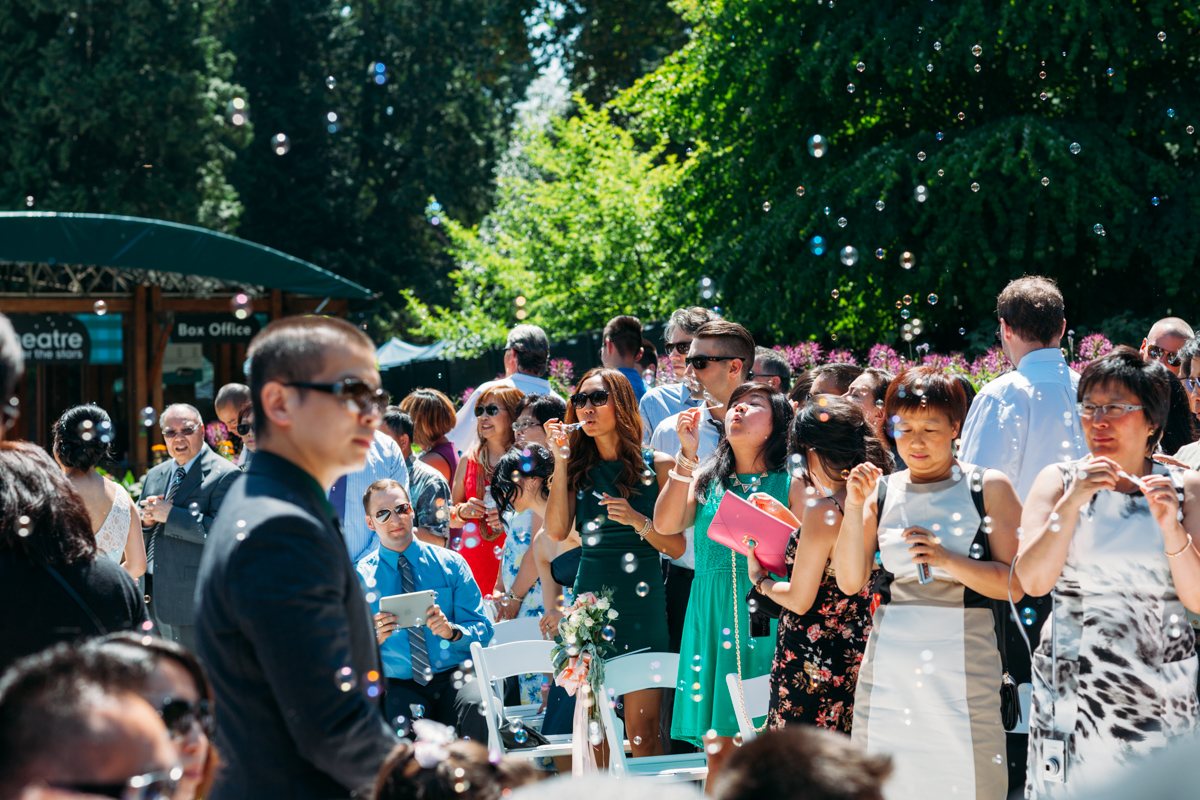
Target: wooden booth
[132,313]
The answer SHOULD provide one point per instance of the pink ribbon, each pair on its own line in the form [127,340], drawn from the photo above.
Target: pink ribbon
[575,674]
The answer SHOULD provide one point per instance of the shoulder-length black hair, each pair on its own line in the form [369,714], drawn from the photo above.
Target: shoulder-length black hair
[533,461]
[834,428]
[41,516]
[719,467]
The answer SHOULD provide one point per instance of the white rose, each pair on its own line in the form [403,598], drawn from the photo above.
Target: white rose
[612,613]
[589,623]
[603,605]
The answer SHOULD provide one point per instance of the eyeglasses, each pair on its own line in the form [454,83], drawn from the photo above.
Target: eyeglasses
[678,347]
[521,427]
[1191,384]
[598,398]
[244,428]
[180,716]
[701,362]
[402,510]
[354,395]
[1172,356]
[150,786]
[1109,410]
[490,410]
[185,432]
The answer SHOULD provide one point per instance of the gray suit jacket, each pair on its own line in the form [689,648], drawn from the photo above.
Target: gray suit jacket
[181,542]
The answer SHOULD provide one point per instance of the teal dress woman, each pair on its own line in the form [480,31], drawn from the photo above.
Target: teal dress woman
[615,557]
[716,632]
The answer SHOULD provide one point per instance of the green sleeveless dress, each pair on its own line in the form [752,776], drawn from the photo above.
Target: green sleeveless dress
[615,557]
[711,640]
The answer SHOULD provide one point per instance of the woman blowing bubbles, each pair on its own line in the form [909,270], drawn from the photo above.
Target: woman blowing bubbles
[1112,536]
[929,688]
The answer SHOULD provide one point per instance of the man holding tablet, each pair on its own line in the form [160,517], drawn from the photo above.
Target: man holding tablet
[442,613]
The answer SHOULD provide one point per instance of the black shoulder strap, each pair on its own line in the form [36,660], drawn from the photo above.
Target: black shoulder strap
[79,601]
[880,497]
[999,608]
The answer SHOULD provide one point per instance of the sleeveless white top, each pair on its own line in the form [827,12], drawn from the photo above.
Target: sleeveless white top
[110,539]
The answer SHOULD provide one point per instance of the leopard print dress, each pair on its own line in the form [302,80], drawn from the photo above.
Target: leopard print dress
[1115,671]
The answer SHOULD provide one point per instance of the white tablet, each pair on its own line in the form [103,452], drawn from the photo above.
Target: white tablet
[410,609]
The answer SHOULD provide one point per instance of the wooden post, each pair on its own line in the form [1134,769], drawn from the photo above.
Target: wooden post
[135,343]
[157,345]
[276,304]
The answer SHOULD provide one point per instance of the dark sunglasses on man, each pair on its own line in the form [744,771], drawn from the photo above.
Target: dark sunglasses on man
[401,510]
[491,409]
[181,716]
[701,362]
[1156,353]
[598,398]
[354,395]
[150,786]
[678,347]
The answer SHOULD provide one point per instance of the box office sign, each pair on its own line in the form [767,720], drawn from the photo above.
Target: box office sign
[52,338]
[204,328]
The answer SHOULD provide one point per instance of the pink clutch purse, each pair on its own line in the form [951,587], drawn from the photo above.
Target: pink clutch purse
[738,524]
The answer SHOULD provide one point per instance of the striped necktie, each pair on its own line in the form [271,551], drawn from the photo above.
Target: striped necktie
[416,634]
[156,531]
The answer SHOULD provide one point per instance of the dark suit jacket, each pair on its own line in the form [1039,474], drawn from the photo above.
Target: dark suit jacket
[279,614]
[181,543]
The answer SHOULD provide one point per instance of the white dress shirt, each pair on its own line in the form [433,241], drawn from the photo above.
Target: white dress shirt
[1025,420]
[385,459]
[666,440]
[464,433]
[661,402]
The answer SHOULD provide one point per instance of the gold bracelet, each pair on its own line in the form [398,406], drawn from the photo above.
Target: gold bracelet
[685,462]
[1181,550]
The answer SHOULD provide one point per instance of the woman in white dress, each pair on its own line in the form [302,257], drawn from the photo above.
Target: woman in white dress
[1112,536]
[81,441]
[928,691]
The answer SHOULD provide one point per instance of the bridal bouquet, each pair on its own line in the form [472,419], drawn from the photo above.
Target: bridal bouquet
[585,638]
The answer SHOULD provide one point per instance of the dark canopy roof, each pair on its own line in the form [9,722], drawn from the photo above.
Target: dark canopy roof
[155,246]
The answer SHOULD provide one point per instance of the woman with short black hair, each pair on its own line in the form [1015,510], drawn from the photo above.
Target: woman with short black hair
[1112,536]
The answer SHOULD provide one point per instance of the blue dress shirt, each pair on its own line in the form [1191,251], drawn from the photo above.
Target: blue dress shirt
[635,380]
[444,572]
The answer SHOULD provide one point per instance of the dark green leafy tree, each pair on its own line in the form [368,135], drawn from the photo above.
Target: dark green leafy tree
[116,107]
[983,104]
[421,103]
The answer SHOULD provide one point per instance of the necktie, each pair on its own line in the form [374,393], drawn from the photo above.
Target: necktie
[337,498]
[176,479]
[416,634]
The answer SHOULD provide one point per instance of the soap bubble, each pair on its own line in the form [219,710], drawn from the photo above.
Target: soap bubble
[921,156]
[1045,181]
[817,245]
[976,551]
[1109,71]
[842,222]
[520,734]
[281,144]
[1098,228]
[977,68]
[498,551]
[1028,616]
[767,206]
[344,679]
[929,67]
[1171,112]
[418,710]
[880,253]
[937,45]
[933,298]
[977,51]
[29,201]
[907,299]
[1153,201]
[817,146]
[146,417]
[1162,36]
[100,307]
[237,111]
[1075,148]
[921,193]
[905,313]
[879,205]
[1190,129]
[707,290]
[849,256]
[827,210]
[642,589]
[241,306]
[860,66]
[629,562]
[962,331]
[835,294]
[850,88]
[608,633]
[907,260]
[940,136]
[330,82]
[799,191]
[974,187]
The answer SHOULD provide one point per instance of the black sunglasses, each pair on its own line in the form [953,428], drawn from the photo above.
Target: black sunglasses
[402,510]
[356,396]
[491,410]
[181,715]
[678,347]
[150,786]
[700,362]
[1155,352]
[598,398]
[244,428]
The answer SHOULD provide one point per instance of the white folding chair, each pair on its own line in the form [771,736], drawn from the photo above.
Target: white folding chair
[498,662]
[629,674]
[758,701]
[521,629]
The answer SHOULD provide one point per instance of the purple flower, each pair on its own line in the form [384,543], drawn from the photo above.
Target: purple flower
[842,356]
[1093,346]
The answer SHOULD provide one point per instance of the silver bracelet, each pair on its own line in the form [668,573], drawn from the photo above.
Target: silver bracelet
[646,528]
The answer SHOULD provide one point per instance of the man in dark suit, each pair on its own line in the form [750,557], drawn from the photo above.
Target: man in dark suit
[180,498]
[283,625]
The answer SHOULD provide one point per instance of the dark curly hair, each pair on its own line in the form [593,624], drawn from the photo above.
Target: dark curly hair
[834,428]
[83,437]
[464,772]
[720,466]
[41,516]
[533,461]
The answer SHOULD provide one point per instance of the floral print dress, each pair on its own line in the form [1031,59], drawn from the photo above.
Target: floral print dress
[818,654]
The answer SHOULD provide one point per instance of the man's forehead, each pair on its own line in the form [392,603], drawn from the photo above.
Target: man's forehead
[179,415]
[1168,339]
[387,497]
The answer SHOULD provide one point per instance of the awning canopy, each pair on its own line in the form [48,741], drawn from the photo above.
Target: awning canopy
[150,245]
[395,352]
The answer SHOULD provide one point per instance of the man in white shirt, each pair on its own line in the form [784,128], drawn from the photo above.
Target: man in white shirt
[1164,341]
[670,398]
[1020,423]
[720,358]
[526,361]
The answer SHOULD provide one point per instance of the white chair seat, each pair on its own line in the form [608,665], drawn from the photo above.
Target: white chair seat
[521,629]
[668,769]
[757,692]
[494,664]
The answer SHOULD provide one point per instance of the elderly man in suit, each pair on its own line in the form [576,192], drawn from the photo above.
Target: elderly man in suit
[282,623]
[180,499]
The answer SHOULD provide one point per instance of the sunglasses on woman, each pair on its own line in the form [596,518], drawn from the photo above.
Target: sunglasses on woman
[180,716]
[490,410]
[150,786]
[402,510]
[598,398]
[1172,356]
[244,428]
[354,395]
[701,362]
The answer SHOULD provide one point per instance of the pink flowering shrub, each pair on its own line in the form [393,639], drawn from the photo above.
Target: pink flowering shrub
[215,432]
[802,356]
[883,357]
[465,396]
[842,356]
[562,376]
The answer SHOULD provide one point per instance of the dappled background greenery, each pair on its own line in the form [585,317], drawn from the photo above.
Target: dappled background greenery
[687,119]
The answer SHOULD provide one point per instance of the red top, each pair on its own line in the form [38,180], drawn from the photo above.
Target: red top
[476,549]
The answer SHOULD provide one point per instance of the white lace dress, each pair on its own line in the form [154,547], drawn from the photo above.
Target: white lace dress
[110,539]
